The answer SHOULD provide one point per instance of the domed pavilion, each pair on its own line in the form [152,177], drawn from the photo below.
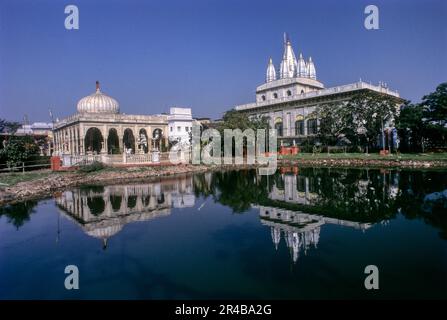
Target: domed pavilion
[98,127]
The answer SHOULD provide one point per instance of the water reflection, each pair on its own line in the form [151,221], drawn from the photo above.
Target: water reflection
[295,202]
[102,211]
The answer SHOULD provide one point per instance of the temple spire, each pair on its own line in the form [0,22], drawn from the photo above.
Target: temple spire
[302,68]
[311,69]
[97,86]
[288,63]
[271,72]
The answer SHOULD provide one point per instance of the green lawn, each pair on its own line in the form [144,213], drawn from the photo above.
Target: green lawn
[372,156]
[10,179]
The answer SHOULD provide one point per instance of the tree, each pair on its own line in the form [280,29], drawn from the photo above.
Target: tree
[18,149]
[368,114]
[237,120]
[411,127]
[435,115]
[333,122]
[8,126]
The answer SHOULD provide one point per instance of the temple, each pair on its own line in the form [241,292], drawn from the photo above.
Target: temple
[289,97]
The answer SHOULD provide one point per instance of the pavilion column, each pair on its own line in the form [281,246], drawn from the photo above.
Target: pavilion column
[81,139]
[149,139]
[120,134]
[55,141]
[76,140]
[105,138]
[136,135]
[68,140]
[58,142]
[75,150]
[63,141]
[70,136]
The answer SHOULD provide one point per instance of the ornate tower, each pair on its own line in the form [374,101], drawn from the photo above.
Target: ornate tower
[302,67]
[311,69]
[271,72]
[288,63]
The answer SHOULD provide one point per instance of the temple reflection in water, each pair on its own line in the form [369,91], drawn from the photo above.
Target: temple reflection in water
[301,231]
[102,211]
[293,203]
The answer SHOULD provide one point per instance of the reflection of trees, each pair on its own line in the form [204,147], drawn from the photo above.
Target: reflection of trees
[348,194]
[18,213]
[358,195]
[236,189]
[425,194]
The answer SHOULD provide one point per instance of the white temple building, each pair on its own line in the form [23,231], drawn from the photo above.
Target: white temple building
[290,94]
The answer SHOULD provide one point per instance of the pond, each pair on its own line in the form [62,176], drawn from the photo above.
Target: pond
[302,233]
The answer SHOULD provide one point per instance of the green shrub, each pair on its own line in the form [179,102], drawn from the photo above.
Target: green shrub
[92,167]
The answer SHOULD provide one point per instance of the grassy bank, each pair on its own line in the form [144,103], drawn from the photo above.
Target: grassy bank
[10,179]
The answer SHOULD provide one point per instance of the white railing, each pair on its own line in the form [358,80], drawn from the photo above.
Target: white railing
[144,158]
[138,158]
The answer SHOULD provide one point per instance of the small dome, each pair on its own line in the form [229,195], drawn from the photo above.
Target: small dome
[98,102]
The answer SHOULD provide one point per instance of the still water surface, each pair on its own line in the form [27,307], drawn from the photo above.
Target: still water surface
[303,233]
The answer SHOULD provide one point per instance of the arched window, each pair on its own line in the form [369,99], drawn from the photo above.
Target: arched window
[129,141]
[275,95]
[93,141]
[263,97]
[278,126]
[299,125]
[302,91]
[289,93]
[312,126]
[113,144]
[143,141]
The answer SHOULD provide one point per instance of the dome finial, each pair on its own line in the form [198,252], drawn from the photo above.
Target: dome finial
[97,86]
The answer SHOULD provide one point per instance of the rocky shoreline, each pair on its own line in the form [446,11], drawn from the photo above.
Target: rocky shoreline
[56,182]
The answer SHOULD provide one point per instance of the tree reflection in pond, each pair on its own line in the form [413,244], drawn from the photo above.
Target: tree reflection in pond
[18,213]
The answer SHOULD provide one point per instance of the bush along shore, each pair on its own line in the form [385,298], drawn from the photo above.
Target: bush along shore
[17,187]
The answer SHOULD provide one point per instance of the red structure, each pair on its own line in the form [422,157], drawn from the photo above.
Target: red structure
[289,150]
[55,163]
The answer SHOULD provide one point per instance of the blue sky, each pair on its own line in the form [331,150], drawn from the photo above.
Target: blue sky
[206,54]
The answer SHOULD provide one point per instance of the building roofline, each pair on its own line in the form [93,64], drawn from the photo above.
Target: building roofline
[319,93]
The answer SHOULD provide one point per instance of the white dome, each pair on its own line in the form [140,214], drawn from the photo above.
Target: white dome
[98,102]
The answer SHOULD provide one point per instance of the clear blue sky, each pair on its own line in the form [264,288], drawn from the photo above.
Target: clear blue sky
[206,54]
